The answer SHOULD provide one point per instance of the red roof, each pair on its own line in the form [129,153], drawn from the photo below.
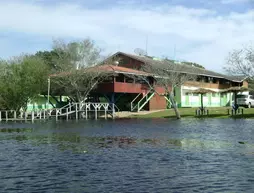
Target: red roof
[109,68]
[119,69]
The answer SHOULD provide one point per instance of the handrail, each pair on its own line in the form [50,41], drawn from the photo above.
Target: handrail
[133,107]
[46,113]
[145,97]
[118,110]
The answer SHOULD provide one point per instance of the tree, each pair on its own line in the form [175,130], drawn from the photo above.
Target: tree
[168,75]
[240,62]
[21,79]
[76,55]
[75,64]
[187,63]
[77,84]
[49,58]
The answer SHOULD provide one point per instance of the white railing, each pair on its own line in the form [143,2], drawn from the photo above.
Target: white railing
[141,104]
[66,111]
[133,106]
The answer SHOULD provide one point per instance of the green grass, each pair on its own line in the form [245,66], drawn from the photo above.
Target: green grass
[220,112]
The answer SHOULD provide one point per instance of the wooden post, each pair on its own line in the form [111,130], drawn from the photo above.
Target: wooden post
[32,116]
[6,115]
[44,114]
[40,115]
[0,115]
[86,113]
[202,104]
[113,112]
[106,113]
[15,115]
[67,114]
[56,115]
[95,113]
[76,109]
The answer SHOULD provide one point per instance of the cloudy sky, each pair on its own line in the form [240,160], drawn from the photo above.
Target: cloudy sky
[201,31]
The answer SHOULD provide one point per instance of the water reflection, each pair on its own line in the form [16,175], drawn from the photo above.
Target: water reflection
[73,141]
[128,156]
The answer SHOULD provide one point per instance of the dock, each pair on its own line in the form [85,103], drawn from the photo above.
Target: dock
[70,111]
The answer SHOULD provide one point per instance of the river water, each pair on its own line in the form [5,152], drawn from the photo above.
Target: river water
[155,155]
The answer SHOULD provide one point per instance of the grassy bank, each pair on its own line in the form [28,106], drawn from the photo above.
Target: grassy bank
[221,112]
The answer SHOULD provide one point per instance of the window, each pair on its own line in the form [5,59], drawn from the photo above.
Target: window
[206,79]
[215,80]
[109,79]
[198,79]
[141,81]
[129,80]
[124,61]
[120,78]
[214,94]
[242,96]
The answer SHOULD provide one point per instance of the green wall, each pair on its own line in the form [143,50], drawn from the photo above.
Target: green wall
[209,100]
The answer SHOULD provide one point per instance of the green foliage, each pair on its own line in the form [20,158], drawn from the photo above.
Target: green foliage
[76,54]
[49,58]
[187,63]
[194,64]
[72,62]
[21,79]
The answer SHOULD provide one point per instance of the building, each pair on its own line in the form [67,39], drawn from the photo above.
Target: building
[203,79]
[134,94]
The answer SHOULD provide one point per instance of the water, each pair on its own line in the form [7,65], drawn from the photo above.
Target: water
[158,155]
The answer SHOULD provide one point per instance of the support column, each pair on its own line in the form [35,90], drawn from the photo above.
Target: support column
[56,115]
[76,109]
[32,116]
[113,102]
[25,116]
[6,115]
[15,115]
[95,113]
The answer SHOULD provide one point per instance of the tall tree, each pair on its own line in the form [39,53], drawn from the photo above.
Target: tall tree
[168,75]
[75,77]
[240,62]
[21,79]
[76,55]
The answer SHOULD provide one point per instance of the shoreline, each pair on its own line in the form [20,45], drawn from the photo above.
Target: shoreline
[220,113]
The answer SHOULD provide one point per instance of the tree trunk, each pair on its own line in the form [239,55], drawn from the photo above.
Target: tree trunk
[171,97]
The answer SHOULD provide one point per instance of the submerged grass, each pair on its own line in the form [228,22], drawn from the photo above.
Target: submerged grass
[214,112]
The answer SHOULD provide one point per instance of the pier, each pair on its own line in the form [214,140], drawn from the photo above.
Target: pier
[71,111]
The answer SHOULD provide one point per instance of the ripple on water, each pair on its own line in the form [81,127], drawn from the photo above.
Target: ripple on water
[128,156]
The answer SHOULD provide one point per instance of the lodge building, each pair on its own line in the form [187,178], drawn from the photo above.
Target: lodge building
[131,94]
[125,89]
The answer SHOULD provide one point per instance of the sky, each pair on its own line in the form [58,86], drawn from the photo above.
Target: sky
[199,31]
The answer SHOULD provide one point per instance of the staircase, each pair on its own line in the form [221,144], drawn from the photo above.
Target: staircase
[138,105]
[67,110]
